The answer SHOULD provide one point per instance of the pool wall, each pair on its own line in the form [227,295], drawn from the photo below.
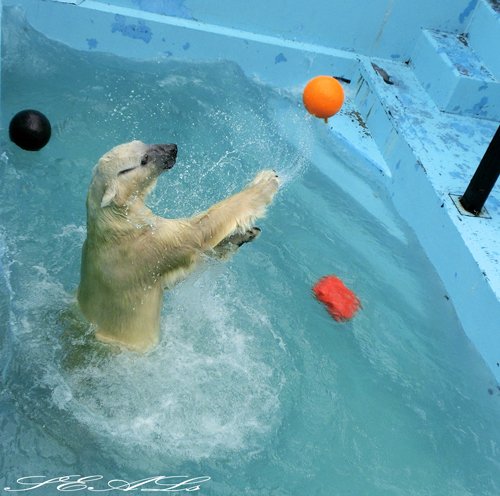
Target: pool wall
[383,28]
[424,92]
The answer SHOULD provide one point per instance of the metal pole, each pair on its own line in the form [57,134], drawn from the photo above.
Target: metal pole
[484,178]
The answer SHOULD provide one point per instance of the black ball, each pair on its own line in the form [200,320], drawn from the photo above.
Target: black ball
[30,130]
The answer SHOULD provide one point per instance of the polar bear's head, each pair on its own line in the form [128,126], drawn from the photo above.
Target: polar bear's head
[128,172]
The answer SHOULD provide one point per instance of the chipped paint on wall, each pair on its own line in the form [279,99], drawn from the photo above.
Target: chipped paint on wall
[138,30]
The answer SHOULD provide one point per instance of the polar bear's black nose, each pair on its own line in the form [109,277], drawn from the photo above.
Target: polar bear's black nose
[169,149]
[164,155]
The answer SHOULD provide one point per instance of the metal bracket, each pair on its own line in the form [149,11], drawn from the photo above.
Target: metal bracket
[456,201]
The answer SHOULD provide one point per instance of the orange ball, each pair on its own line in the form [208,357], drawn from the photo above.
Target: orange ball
[323,96]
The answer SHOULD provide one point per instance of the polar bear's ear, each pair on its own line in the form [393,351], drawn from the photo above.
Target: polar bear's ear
[109,194]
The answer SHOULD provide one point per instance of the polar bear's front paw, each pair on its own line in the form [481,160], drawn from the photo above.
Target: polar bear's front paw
[230,244]
[267,182]
[240,238]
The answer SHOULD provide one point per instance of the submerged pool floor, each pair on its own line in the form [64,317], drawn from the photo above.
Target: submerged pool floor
[253,384]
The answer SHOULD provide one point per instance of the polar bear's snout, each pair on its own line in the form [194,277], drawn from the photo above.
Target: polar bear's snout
[163,156]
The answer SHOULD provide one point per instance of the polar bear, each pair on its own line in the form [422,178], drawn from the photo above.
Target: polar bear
[131,255]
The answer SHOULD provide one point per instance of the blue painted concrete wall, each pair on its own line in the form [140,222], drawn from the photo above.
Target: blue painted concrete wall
[384,28]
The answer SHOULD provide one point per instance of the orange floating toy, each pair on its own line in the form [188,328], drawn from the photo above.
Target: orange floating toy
[323,96]
[339,300]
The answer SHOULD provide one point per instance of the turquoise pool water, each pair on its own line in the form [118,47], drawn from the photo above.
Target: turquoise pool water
[253,384]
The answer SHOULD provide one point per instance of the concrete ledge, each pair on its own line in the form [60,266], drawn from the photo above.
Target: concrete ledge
[484,35]
[454,76]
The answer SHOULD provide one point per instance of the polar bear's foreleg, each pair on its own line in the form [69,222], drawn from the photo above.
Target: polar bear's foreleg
[236,214]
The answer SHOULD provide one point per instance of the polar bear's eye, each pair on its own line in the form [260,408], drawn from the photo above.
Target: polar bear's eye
[144,160]
[124,171]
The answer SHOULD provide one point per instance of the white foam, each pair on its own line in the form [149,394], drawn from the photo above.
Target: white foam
[206,391]
[209,390]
